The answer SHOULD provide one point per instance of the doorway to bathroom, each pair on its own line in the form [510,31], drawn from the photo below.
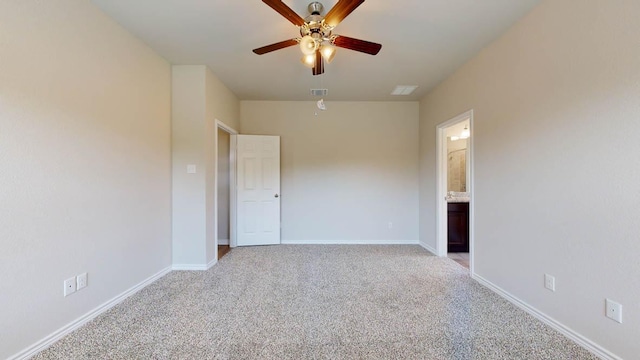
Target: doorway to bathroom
[224,187]
[455,189]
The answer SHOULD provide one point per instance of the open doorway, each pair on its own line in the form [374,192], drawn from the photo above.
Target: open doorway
[455,189]
[225,168]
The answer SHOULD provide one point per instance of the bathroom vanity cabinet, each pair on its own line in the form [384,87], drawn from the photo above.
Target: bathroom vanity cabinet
[458,227]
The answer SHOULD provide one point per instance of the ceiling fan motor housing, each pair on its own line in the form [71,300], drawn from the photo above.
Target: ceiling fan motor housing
[314,25]
[315,8]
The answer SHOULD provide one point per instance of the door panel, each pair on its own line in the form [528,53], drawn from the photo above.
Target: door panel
[258,191]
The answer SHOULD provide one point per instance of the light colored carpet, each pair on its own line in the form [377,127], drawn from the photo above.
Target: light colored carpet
[317,302]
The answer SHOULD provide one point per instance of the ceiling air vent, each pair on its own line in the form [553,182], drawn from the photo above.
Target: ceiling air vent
[404,89]
[319,92]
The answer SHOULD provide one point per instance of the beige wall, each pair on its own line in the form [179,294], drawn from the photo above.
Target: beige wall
[85,164]
[188,148]
[224,174]
[556,120]
[198,100]
[347,172]
[224,106]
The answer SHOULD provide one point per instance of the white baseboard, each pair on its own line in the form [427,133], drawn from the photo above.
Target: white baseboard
[349,242]
[428,248]
[67,329]
[194,267]
[189,267]
[223,241]
[211,263]
[589,345]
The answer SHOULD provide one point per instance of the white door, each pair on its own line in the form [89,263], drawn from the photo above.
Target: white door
[258,190]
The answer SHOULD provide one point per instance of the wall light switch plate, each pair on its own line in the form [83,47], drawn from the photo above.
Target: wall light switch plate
[614,310]
[550,282]
[81,281]
[69,286]
[191,169]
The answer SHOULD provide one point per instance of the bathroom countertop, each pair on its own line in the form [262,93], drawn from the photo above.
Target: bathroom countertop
[458,197]
[459,200]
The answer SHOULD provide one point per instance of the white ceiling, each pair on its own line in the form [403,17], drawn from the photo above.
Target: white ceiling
[423,42]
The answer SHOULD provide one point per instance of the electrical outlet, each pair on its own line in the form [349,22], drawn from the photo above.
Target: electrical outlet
[81,281]
[390,225]
[550,282]
[613,310]
[69,286]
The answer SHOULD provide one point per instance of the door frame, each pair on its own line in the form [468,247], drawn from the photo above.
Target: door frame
[232,184]
[441,186]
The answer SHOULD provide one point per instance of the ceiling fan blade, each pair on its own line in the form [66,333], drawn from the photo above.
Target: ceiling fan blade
[340,11]
[273,47]
[366,47]
[285,11]
[318,68]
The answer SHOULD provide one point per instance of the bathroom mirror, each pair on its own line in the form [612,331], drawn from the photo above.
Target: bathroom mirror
[457,165]
[458,136]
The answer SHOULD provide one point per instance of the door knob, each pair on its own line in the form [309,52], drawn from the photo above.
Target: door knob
[277,195]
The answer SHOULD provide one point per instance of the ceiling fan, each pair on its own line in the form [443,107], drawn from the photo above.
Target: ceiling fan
[317,41]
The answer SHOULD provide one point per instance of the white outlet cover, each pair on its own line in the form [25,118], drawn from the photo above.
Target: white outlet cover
[69,286]
[613,310]
[550,282]
[81,281]
[191,169]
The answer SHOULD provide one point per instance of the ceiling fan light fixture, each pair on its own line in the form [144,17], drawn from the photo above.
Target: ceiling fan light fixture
[309,60]
[328,52]
[308,45]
